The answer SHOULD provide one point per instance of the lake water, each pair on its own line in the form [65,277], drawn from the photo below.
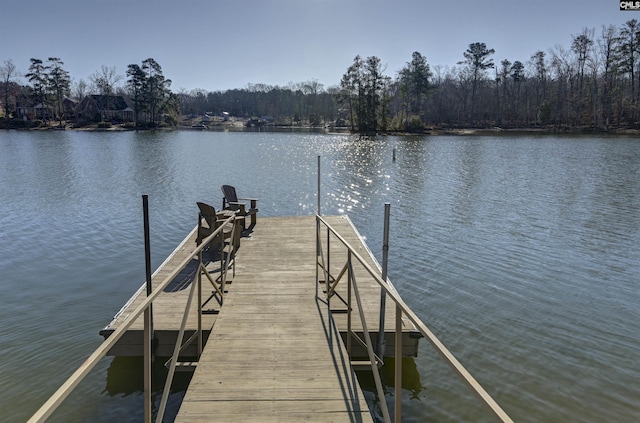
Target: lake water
[521,253]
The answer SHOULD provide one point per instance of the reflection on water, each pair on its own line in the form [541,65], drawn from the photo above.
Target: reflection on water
[521,254]
[125,376]
[410,377]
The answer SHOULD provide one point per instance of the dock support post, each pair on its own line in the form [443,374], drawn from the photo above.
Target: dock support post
[383,294]
[318,252]
[319,186]
[148,315]
[398,366]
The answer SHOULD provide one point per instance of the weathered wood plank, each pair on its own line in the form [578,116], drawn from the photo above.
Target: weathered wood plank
[272,354]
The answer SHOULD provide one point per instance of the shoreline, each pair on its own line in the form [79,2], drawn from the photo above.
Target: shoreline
[241,126]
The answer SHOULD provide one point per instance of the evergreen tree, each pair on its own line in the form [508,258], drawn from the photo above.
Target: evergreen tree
[362,87]
[150,92]
[414,85]
[517,74]
[37,76]
[136,84]
[154,88]
[478,61]
[352,90]
[59,84]
[540,78]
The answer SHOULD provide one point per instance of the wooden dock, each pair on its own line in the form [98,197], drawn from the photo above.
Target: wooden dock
[272,352]
[265,243]
[273,355]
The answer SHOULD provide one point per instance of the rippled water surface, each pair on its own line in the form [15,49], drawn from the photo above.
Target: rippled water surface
[521,253]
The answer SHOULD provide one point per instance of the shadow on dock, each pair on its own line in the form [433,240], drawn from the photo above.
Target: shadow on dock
[184,279]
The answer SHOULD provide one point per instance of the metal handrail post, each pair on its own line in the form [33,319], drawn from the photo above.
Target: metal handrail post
[398,366]
[318,230]
[200,346]
[327,269]
[349,308]
[383,294]
[317,254]
[148,315]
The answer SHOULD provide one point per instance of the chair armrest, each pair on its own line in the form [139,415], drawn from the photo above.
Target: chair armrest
[253,201]
[222,215]
[241,206]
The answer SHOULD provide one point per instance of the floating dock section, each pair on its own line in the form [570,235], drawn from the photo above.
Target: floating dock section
[275,248]
[274,350]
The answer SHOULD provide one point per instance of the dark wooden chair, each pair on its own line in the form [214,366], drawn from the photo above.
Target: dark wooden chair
[227,242]
[209,221]
[230,201]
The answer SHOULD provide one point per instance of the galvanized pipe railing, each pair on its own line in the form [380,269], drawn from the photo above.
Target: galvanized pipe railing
[330,285]
[402,310]
[45,411]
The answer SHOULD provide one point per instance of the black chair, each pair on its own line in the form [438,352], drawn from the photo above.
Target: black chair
[230,201]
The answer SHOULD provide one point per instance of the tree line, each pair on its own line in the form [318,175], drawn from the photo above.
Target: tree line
[594,83]
[49,84]
[590,85]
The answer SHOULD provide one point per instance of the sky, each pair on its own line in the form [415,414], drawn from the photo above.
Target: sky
[225,44]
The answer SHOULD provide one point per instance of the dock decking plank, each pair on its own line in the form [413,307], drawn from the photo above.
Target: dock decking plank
[273,354]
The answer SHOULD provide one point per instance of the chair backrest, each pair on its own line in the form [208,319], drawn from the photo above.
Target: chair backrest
[208,212]
[230,196]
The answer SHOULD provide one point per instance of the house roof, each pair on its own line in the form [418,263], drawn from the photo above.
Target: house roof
[110,102]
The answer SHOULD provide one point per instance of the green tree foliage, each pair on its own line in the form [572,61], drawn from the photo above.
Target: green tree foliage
[592,80]
[539,77]
[50,83]
[151,96]
[352,90]
[517,75]
[156,89]
[362,90]
[413,80]
[37,76]
[478,61]
[135,85]
[59,83]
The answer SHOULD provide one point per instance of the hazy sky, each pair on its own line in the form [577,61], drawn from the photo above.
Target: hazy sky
[218,45]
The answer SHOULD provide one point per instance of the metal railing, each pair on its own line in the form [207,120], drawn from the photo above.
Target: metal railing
[72,382]
[323,266]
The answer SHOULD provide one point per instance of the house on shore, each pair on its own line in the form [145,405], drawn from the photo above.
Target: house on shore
[46,111]
[104,108]
[39,111]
